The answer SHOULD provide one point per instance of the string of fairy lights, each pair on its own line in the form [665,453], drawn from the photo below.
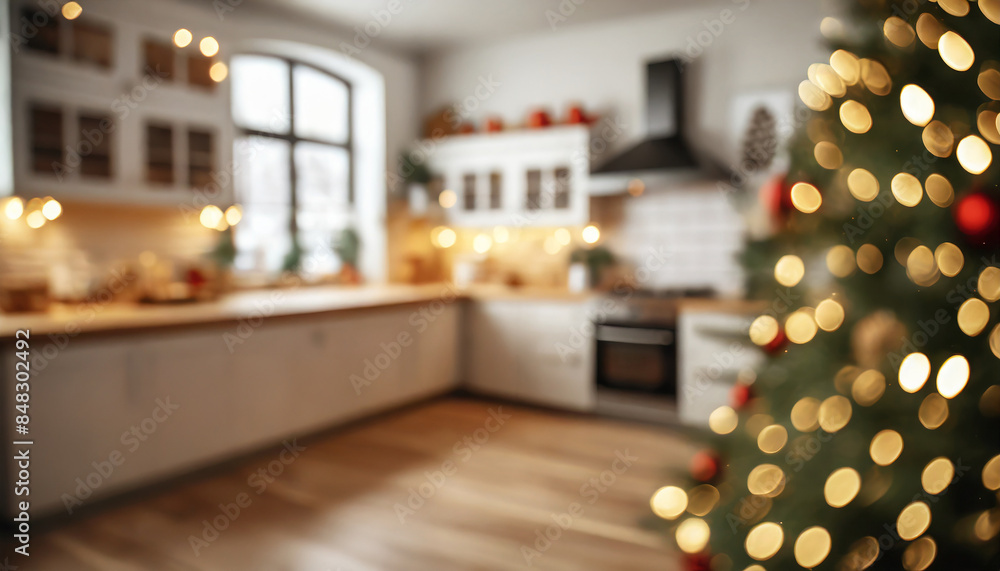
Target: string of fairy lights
[924,265]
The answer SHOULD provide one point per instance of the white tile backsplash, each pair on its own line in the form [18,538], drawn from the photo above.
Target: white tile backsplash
[695,224]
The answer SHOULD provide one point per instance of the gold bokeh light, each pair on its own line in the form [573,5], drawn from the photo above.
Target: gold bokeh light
[812,547]
[840,261]
[789,270]
[955,51]
[989,284]
[907,190]
[974,154]
[723,420]
[937,475]
[939,190]
[917,106]
[914,372]
[886,447]
[764,540]
[933,411]
[806,198]
[692,535]
[870,259]
[949,259]
[669,502]
[834,413]
[863,185]
[953,376]
[868,388]
[913,521]
[855,117]
[800,326]
[805,414]
[973,315]
[841,487]
[772,439]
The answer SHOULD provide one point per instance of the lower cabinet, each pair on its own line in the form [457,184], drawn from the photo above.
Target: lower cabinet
[111,413]
[713,349]
[538,351]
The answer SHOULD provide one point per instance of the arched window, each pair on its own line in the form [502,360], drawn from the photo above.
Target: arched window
[294,175]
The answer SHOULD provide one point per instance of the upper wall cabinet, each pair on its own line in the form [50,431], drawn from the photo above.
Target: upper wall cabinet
[516,178]
[107,108]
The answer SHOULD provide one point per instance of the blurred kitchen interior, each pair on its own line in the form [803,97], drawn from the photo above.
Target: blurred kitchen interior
[369,225]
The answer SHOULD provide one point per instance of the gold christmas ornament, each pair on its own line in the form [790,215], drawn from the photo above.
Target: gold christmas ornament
[874,337]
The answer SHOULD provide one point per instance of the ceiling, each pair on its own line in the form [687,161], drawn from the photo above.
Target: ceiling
[426,25]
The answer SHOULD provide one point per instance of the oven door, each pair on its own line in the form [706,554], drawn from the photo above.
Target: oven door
[637,359]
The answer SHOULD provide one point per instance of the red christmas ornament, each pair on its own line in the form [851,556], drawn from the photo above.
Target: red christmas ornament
[704,466]
[976,215]
[697,562]
[777,344]
[740,395]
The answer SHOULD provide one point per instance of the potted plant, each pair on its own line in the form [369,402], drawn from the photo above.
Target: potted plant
[595,260]
[347,246]
[417,176]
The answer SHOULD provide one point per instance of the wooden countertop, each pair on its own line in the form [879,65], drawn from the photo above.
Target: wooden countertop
[73,319]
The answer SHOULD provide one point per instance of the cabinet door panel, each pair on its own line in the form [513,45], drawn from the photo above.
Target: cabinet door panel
[79,407]
[191,371]
[437,354]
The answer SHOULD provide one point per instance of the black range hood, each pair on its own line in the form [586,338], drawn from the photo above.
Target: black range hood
[664,146]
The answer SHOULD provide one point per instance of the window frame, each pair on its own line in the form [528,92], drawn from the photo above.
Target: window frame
[293,139]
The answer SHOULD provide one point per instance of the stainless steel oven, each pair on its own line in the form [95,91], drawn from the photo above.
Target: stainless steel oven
[637,358]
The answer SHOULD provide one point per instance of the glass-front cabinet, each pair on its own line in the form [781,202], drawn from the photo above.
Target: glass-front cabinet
[518,178]
[106,107]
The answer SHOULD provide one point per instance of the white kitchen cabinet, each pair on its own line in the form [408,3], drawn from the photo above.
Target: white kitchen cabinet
[84,102]
[516,178]
[193,370]
[81,402]
[528,350]
[283,378]
[713,347]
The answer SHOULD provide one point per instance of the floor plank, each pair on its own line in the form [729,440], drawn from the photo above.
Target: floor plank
[337,506]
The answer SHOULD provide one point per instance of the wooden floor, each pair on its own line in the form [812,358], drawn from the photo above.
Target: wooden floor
[337,506]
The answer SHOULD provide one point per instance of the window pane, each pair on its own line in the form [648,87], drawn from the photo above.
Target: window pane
[322,173]
[92,43]
[96,163]
[262,171]
[159,60]
[160,154]
[46,138]
[260,93]
[264,184]
[320,105]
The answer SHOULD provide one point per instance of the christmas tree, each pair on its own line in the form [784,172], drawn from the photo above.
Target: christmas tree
[870,439]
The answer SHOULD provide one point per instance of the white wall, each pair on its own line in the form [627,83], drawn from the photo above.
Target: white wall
[769,44]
